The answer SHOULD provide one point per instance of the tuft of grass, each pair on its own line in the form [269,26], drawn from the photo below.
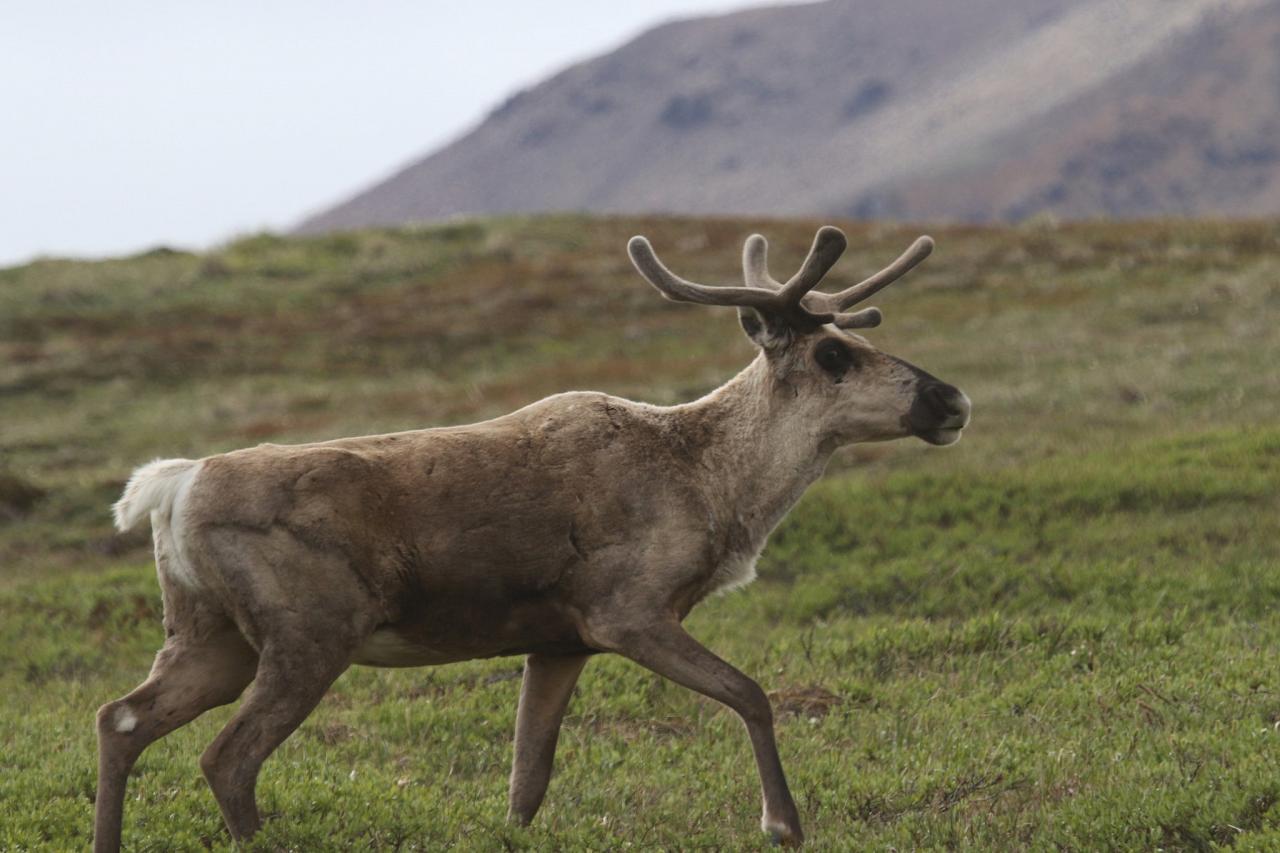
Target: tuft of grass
[1056,635]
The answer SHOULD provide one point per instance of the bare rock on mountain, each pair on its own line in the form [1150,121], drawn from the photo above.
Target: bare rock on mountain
[989,109]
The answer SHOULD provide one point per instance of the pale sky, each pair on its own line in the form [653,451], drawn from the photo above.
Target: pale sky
[129,124]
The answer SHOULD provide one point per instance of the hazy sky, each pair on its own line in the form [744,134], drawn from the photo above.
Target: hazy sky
[127,124]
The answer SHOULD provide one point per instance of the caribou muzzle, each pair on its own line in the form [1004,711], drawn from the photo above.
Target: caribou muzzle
[939,412]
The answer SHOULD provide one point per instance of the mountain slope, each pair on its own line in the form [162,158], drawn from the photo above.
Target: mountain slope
[869,107]
[1194,130]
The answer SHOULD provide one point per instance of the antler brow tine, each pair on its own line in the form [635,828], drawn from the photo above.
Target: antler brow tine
[867,318]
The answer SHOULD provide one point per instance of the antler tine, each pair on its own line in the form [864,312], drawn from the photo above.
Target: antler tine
[828,245]
[755,263]
[678,289]
[918,251]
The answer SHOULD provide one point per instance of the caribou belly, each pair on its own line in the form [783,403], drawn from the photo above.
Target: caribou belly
[388,647]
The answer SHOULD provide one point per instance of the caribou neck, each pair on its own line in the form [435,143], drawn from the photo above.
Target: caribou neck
[756,447]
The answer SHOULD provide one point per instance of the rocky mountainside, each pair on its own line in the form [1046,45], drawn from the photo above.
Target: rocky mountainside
[922,109]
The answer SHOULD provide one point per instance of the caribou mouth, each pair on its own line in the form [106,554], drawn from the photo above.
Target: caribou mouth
[940,437]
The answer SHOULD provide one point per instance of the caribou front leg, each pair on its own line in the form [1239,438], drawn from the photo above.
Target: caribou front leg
[544,695]
[667,649]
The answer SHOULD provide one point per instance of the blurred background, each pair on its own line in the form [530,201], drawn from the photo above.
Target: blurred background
[234,223]
[134,125]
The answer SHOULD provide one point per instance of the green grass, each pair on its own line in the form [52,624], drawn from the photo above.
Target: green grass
[1060,634]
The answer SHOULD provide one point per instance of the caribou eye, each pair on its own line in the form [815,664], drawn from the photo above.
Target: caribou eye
[834,357]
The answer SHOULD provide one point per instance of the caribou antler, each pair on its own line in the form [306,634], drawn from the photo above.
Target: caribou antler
[793,302]
[782,300]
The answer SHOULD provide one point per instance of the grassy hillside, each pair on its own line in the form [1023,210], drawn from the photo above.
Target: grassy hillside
[1060,633]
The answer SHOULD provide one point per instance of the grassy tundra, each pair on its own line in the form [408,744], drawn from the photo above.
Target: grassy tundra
[1060,633]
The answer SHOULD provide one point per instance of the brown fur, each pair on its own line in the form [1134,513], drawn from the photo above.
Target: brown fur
[582,523]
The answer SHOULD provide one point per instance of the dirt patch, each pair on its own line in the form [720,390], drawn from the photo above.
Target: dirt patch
[812,701]
[330,734]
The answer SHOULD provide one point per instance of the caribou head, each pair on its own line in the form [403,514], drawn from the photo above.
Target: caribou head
[838,383]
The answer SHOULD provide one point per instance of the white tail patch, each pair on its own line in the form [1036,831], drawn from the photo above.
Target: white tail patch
[152,487]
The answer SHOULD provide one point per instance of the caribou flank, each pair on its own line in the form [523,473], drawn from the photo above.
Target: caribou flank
[580,524]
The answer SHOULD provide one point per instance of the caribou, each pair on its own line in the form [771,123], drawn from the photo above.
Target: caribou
[578,525]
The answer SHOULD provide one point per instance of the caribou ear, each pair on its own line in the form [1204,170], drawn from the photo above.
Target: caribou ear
[765,330]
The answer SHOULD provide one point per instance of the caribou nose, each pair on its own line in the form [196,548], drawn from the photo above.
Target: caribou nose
[946,404]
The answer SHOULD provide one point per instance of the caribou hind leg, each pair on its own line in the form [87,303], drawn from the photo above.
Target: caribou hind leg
[306,611]
[289,685]
[189,676]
